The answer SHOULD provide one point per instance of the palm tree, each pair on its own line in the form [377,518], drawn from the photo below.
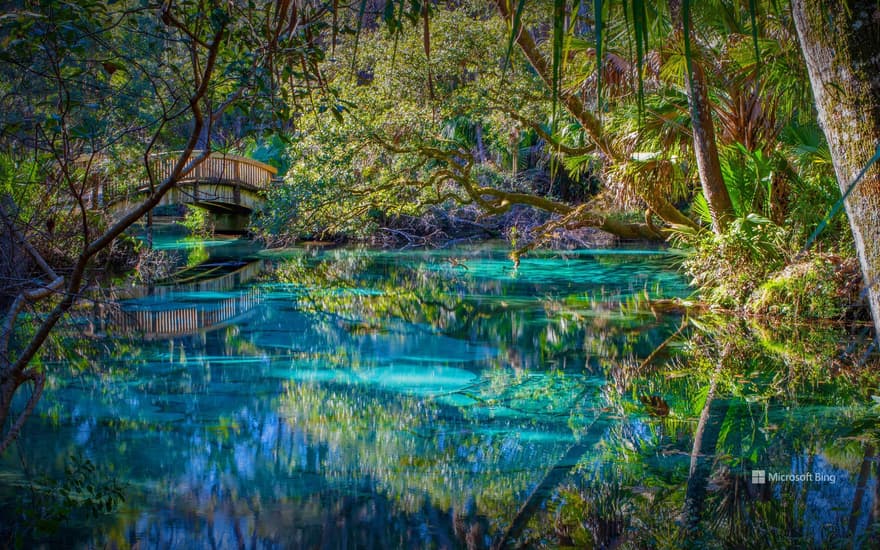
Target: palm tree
[705,147]
[548,70]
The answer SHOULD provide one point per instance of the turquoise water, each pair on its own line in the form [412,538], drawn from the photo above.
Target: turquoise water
[341,398]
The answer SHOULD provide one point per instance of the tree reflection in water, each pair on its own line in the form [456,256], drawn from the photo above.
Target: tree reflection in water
[444,399]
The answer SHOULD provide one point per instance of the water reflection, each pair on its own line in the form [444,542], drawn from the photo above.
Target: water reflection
[445,399]
[202,304]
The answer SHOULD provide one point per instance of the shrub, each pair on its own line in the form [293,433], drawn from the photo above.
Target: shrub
[728,267]
[198,222]
[819,287]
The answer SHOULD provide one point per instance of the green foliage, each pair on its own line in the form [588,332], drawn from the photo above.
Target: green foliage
[83,492]
[793,185]
[592,513]
[748,176]
[814,288]
[18,179]
[352,174]
[728,267]
[272,149]
[198,222]
[814,190]
[756,267]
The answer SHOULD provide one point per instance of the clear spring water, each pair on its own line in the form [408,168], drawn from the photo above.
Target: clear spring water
[359,398]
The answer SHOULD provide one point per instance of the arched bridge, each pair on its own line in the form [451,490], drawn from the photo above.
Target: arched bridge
[222,183]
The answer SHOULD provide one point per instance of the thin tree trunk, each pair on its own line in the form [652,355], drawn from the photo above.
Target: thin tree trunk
[861,484]
[703,455]
[705,148]
[840,41]
[17,371]
[553,477]
[481,148]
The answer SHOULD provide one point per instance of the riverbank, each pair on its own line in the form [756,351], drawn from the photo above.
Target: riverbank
[743,272]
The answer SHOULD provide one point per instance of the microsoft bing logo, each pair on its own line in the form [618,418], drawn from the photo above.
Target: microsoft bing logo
[761,477]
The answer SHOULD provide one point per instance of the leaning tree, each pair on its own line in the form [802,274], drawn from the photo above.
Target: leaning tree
[840,41]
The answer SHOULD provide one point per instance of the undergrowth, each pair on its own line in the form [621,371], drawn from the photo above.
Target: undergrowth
[752,267]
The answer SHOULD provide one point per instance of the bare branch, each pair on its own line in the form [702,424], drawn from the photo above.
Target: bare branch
[27,245]
[17,372]
[39,380]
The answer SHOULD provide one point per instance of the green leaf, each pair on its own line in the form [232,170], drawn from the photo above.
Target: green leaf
[558,38]
[753,14]
[640,29]
[514,31]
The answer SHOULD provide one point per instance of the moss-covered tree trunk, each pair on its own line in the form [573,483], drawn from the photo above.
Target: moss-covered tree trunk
[705,148]
[840,40]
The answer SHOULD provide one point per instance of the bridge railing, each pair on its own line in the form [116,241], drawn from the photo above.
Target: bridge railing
[216,168]
[219,167]
[117,317]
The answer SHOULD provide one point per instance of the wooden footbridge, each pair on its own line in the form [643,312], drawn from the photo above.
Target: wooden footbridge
[221,183]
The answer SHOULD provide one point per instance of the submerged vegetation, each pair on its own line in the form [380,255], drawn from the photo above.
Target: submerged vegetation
[554,392]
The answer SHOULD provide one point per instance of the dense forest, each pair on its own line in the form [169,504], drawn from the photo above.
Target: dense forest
[737,138]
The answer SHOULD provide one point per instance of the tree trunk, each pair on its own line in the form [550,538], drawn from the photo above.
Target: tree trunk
[481,148]
[840,41]
[552,478]
[703,455]
[862,483]
[705,148]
